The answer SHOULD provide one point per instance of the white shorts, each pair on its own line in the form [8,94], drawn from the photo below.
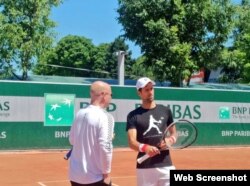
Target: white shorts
[154,176]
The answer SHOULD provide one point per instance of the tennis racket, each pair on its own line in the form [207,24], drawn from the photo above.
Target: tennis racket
[181,133]
[68,154]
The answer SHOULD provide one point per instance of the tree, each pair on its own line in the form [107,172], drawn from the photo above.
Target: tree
[140,70]
[246,73]
[242,38]
[25,33]
[112,59]
[78,56]
[105,60]
[99,61]
[71,52]
[232,63]
[177,36]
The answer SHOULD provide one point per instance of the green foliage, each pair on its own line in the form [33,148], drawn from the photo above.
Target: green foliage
[232,63]
[112,59]
[99,61]
[246,73]
[77,56]
[24,32]
[177,37]
[73,52]
[140,70]
[236,67]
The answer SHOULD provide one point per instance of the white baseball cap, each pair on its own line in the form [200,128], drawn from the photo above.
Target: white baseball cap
[142,82]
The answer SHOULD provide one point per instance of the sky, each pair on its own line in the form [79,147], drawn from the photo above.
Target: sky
[93,19]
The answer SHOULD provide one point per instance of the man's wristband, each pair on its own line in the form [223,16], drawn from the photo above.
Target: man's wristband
[142,147]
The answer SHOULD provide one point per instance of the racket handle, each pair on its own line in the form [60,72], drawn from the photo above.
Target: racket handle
[143,158]
[67,156]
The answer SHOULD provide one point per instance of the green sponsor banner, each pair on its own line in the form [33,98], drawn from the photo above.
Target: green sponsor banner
[59,109]
[18,136]
[223,134]
[32,136]
[39,115]
[35,136]
[224,113]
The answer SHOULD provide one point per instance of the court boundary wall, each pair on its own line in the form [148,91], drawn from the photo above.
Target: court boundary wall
[222,116]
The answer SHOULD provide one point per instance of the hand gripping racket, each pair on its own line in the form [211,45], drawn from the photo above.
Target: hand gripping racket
[182,131]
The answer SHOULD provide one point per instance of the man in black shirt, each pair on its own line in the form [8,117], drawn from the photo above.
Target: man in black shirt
[143,125]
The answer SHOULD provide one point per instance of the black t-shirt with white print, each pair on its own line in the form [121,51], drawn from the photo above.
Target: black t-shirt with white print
[149,123]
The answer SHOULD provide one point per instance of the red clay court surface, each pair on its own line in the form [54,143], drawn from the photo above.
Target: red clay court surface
[48,168]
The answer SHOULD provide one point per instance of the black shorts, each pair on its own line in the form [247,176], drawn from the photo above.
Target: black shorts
[99,183]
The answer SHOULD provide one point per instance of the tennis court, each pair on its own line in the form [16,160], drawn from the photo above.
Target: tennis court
[48,168]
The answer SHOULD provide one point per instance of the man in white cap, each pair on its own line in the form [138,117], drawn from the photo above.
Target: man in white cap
[150,119]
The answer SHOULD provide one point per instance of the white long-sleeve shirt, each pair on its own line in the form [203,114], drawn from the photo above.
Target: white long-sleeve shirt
[91,137]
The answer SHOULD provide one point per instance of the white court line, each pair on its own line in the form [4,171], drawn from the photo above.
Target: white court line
[41,184]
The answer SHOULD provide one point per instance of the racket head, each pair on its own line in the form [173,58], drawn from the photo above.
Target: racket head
[184,131]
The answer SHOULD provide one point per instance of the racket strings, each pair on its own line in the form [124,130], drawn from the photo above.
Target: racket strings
[186,134]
